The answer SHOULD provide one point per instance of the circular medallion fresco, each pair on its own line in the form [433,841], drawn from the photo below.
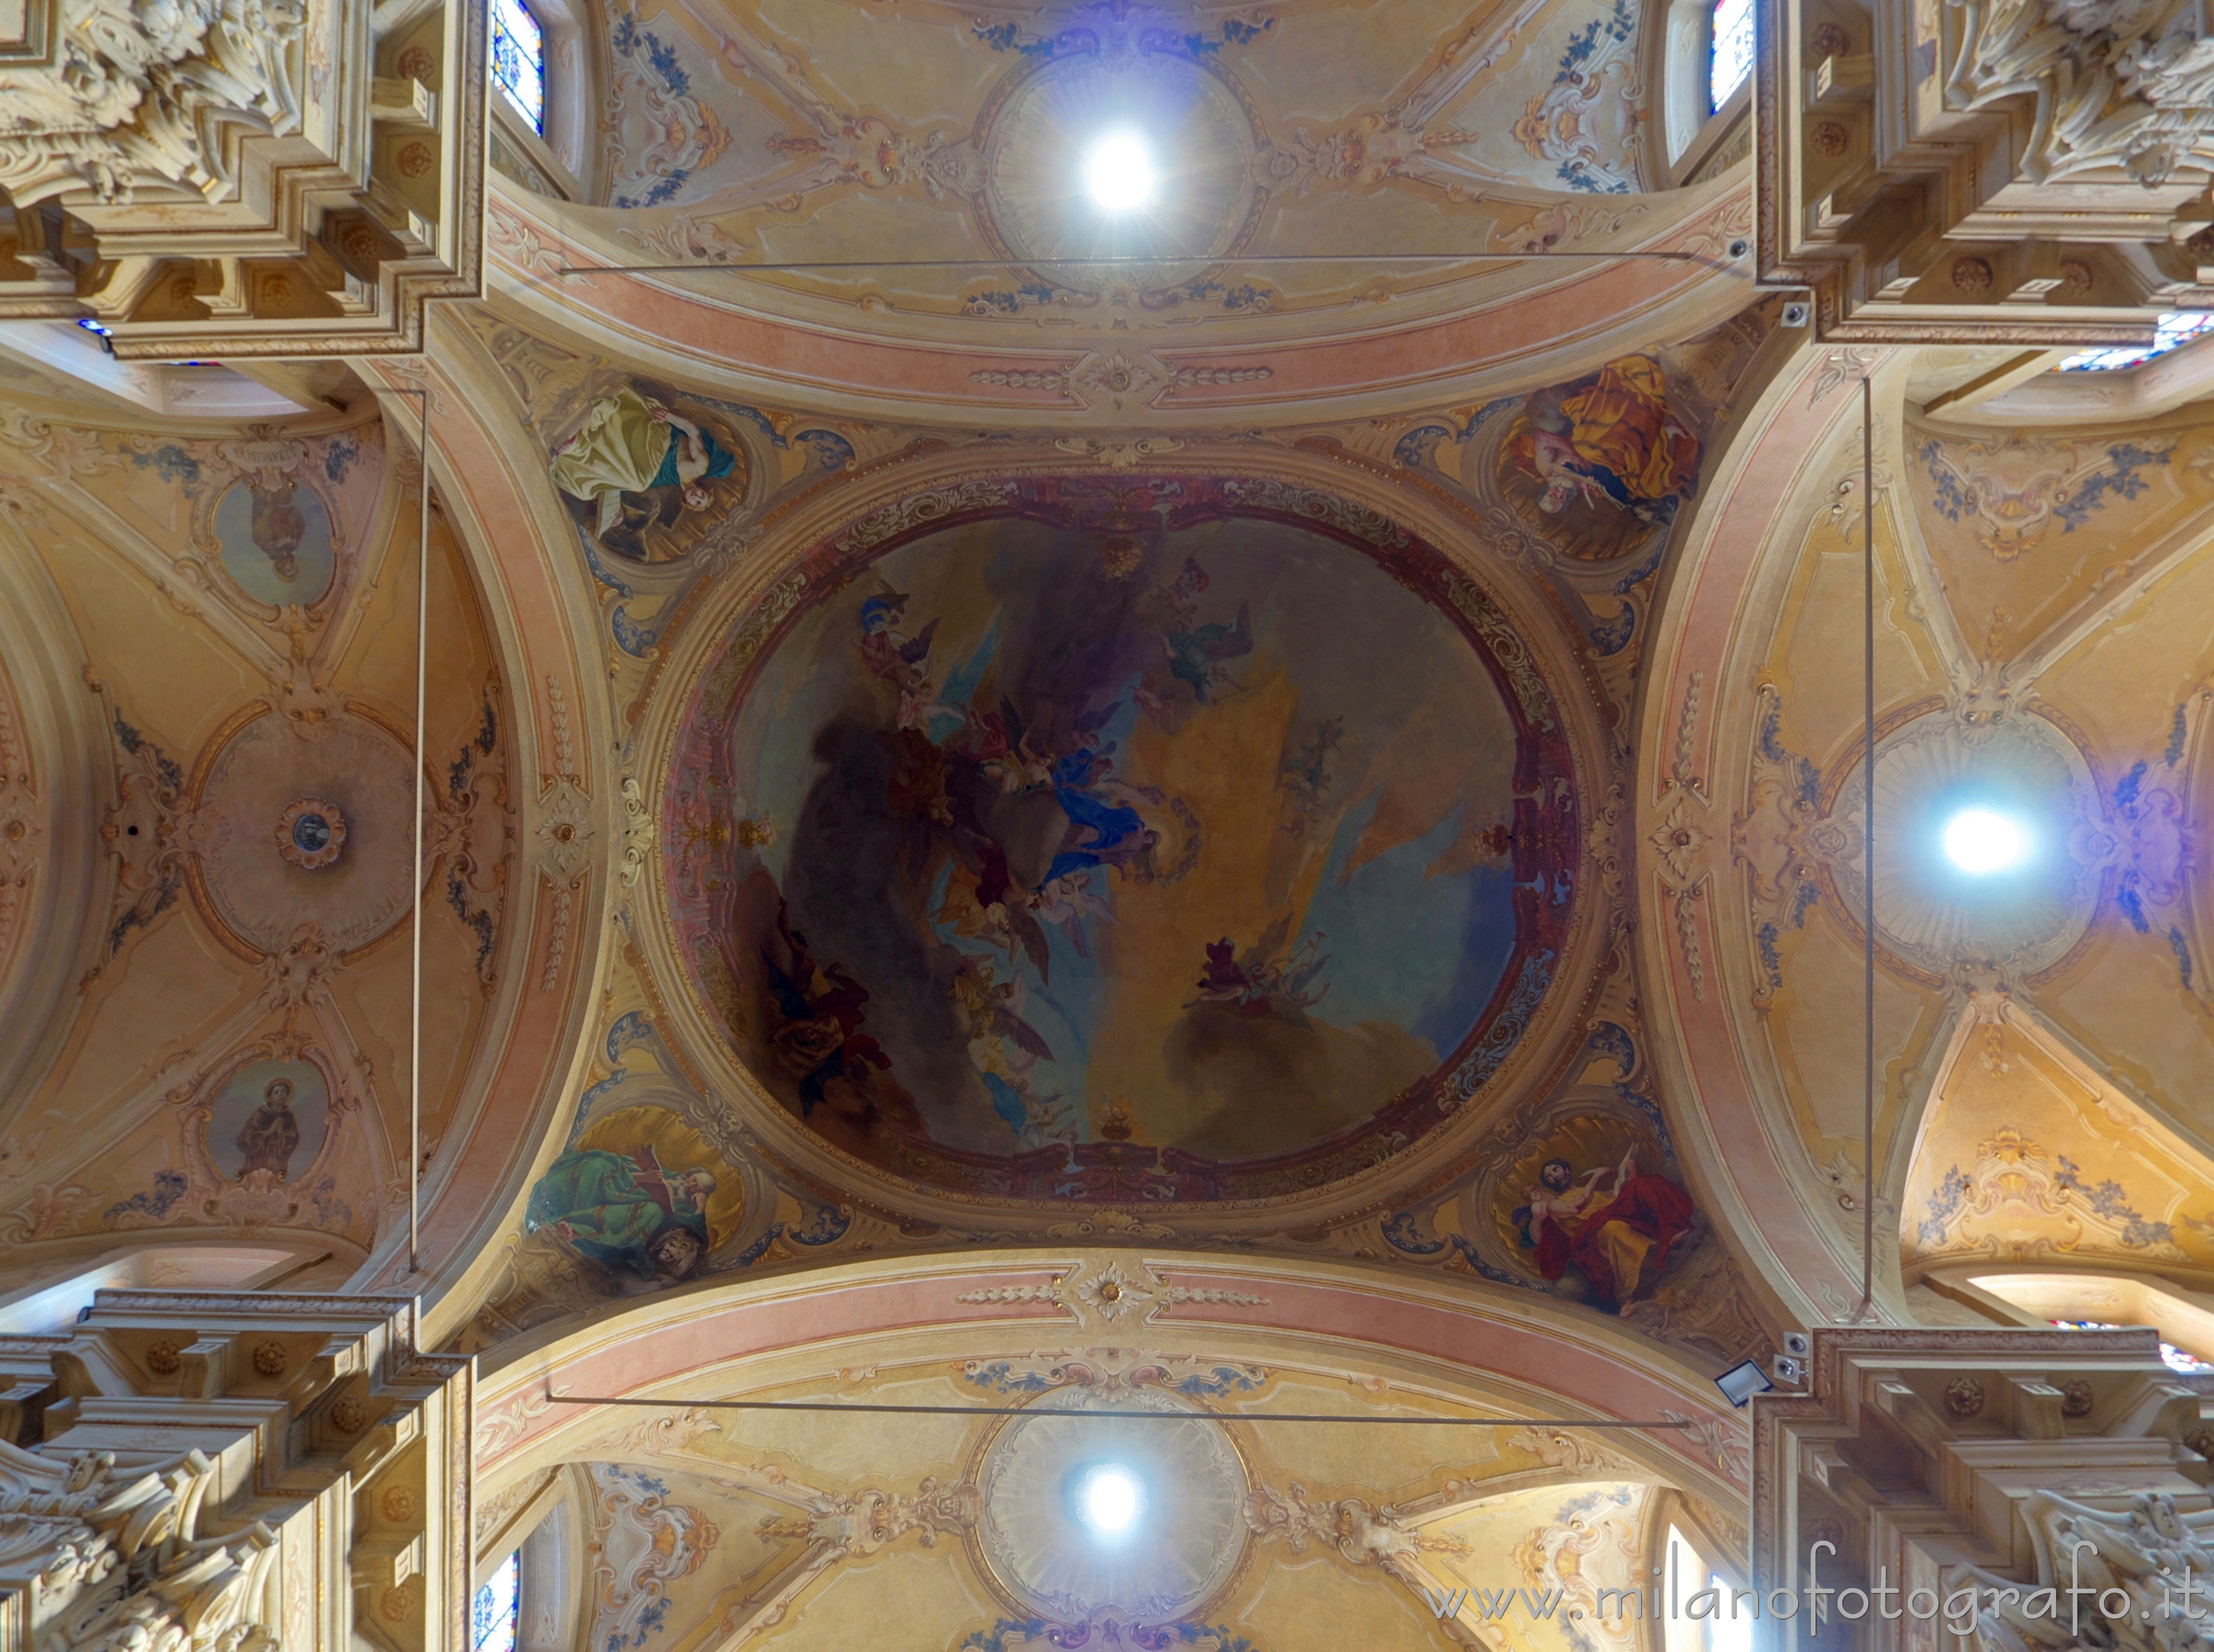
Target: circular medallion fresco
[1171,840]
[292,830]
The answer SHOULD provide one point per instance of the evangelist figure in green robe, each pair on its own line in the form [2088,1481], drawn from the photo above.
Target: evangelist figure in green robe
[624,1211]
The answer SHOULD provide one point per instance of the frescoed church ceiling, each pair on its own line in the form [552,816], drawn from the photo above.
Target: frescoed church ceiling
[2025,1157]
[824,140]
[1026,817]
[1066,845]
[1076,822]
[785,1528]
[2041,1033]
[1578,487]
[755,109]
[230,1052]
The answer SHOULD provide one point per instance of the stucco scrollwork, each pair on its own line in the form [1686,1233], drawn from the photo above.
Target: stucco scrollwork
[23,826]
[2136,1552]
[1365,1535]
[2126,83]
[124,1566]
[143,93]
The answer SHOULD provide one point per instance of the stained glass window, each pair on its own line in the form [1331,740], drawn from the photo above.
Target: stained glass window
[2177,328]
[498,1609]
[2178,1360]
[519,59]
[1732,50]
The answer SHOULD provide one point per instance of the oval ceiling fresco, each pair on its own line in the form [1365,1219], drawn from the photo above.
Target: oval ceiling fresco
[1173,840]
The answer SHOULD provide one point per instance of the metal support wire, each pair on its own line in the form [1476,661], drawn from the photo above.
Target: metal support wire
[805,266]
[415,909]
[1867,843]
[1371,1421]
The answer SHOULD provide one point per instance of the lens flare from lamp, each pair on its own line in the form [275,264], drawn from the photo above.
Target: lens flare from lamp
[1109,1501]
[1980,841]
[1118,173]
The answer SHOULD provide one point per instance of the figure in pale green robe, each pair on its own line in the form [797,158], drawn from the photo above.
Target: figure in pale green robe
[631,445]
[625,1211]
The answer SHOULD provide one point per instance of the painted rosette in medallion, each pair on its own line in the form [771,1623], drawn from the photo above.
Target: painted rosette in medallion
[1030,855]
[286,829]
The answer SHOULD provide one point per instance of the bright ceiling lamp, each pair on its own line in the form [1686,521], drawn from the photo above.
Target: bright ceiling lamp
[1109,1501]
[1982,840]
[1118,172]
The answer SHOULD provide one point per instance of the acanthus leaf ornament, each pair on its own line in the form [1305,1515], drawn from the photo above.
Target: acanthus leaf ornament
[2116,83]
[145,94]
[640,831]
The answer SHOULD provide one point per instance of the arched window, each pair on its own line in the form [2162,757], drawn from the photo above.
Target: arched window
[497,1611]
[1730,50]
[1707,68]
[518,60]
[2176,328]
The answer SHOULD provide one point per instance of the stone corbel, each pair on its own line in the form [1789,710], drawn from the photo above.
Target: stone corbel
[234,1473]
[1947,1458]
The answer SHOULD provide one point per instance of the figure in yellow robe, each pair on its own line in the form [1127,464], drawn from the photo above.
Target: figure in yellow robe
[1609,439]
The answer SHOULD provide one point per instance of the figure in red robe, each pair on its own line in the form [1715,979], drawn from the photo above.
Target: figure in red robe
[1615,1243]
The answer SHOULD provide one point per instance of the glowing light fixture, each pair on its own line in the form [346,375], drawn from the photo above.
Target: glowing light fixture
[1982,840]
[1118,172]
[1110,1500]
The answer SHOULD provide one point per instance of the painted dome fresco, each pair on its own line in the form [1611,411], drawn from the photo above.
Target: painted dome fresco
[1151,844]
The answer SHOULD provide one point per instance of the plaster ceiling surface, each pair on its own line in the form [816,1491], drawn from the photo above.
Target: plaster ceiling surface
[2040,1032]
[1294,922]
[911,176]
[2024,1158]
[233,611]
[799,1529]
[1395,854]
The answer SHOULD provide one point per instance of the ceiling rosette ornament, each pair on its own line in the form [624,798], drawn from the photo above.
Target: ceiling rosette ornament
[1925,910]
[1145,78]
